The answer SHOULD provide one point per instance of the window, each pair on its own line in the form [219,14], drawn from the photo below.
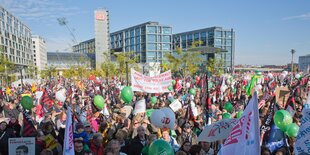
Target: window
[132,41]
[132,33]
[166,47]
[151,29]
[166,39]
[137,40]
[218,34]
[228,42]
[151,38]
[137,31]
[196,36]
[151,47]
[159,47]
[167,30]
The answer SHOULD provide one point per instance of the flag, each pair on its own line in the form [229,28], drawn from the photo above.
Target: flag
[8,90]
[276,139]
[28,128]
[266,125]
[68,140]
[33,88]
[45,99]
[244,137]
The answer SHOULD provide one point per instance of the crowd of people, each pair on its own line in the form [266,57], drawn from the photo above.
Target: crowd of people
[116,130]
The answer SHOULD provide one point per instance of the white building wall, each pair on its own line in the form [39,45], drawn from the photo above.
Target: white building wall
[40,52]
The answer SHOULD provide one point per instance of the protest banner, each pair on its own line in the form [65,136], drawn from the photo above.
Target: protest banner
[50,142]
[139,107]
[22,145]
[175,105]
[244,137]
[302,145]
[68,140]
[154,84]
[217,131]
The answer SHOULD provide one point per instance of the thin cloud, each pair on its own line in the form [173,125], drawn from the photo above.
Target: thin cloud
[39,10]
[305,16]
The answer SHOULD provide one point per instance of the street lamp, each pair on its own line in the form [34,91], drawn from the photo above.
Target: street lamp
[292,69]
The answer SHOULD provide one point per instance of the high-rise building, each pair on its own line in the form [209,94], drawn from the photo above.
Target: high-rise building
[39,52]
[149,40]
[87,46]
[216,37]
[304,63]
[102,40]
[15,39]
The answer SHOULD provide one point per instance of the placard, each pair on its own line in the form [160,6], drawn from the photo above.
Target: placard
[282,94]
[23,145]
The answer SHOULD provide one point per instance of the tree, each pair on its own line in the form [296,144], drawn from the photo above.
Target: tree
[215,66]
[6,66]
[109,69]
[48,72]
[122,58]
[32,71]
[69,73]
[187,61]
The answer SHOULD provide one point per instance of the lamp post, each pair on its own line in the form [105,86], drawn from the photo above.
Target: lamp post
[292,67]
[127,73]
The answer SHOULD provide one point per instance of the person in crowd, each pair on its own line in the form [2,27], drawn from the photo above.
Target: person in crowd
[79,147]
[207,148]
[185,147]
[14,124]
[115,148]
[80,132]
[151,138]
[96,144]
[89,130]
[196,150]
[166,136]
[187,135]
[5,134]
[138,142]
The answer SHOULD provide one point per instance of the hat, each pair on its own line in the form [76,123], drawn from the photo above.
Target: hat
[79,126]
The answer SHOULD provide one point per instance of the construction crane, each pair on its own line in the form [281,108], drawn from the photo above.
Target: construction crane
[63,22]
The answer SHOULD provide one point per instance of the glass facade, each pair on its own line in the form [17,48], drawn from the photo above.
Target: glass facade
[16,41]
[211,37]
[148,40]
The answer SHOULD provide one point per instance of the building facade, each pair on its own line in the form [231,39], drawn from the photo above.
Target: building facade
[216,37]
[304,63]
[102,34]
[15,39]
[87,46]
[66,60]
[39,52]
[149,41]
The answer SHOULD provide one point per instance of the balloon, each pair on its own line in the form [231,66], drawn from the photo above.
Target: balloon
[292,130]
[282,119]
[156,118]
[194,81]
[60,96]
[99,102]
[27,102]
[198,89]
[92,77]
[173,82]
[127,94]
[188,85]
[297,76]
[258,72]
[285,72]
[192,91]
[170,88]
[239,114]
[226,115]
[229,107]
[160,147]
[270,75]
[154,100]
[169,120]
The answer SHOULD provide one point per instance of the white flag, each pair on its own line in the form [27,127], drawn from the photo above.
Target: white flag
[244,137]
[302,145]
[68,141]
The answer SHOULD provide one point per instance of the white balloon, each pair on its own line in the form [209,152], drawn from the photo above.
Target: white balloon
[188,85]
[157,117]
[270,75]
[285,72]
[169,116]
[60,96]
[297,76]
[282,76]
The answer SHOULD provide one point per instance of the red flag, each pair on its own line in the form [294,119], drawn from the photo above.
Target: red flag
[46,100]
[28,128]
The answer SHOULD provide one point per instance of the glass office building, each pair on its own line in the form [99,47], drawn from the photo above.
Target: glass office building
[65,60]
[304,63]
[216,37]
[16,42]
[149,41]
[87,46]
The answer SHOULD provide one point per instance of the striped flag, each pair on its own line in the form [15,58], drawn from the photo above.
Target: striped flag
[68,141]
[28,128]
[45,99]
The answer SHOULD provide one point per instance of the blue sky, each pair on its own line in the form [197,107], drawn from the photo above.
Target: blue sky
[266,31]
